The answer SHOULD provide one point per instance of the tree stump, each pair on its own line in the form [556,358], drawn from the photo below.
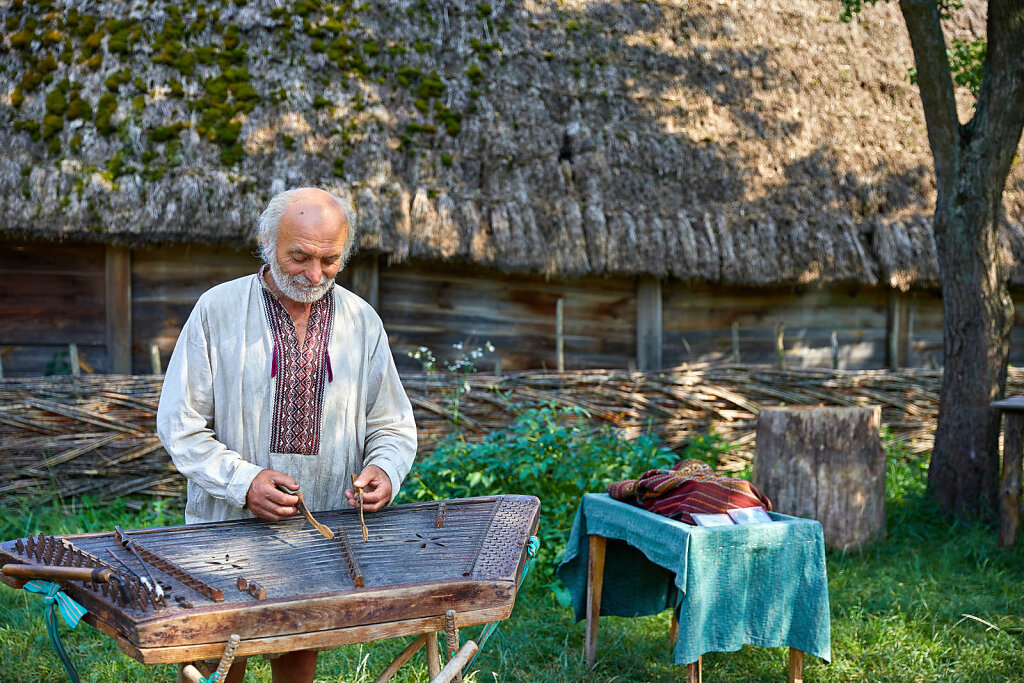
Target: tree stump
[825,464]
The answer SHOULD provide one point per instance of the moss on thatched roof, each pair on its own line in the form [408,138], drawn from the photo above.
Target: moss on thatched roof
[716,140]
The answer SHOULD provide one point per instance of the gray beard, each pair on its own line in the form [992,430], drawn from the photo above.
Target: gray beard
[298,287]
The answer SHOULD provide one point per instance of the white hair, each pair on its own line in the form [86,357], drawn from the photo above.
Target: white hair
[270,221]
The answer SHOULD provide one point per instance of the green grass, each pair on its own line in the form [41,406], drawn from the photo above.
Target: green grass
[933,602]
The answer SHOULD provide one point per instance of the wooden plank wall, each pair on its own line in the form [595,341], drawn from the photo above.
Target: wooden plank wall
[51,294]
[439,305]
[167,282]
[926,320]
[697,325]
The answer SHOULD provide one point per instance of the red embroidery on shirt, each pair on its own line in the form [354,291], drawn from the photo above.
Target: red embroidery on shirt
[299,394]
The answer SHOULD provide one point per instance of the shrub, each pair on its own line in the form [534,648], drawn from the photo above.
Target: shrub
[548,451]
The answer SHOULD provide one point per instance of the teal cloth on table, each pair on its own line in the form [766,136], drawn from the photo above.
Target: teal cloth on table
[751,584]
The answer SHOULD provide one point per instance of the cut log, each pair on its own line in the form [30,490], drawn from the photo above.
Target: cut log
[825,464]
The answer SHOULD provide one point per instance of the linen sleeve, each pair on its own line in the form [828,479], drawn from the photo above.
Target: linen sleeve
[185,419]
[390,428]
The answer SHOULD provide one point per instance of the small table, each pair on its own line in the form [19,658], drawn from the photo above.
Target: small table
[754,584]
[1010,478]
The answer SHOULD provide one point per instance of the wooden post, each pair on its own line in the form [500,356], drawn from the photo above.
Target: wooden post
[560,334]
[796,665]
[897,331]
[648,323]
[154,359]
[1010,479]
[673,629]
[366,280]
[826,464]
[780,345]
[595,583]
[735,341]
[497,366]
[118,295]
[835,350]
[76,370]
[433,655]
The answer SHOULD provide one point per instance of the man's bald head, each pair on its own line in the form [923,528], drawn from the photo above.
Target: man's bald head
[305,208]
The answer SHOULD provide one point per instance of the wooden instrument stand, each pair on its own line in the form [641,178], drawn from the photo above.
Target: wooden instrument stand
[451,673]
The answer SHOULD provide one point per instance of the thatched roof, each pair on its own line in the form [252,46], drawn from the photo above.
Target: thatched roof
[731,142]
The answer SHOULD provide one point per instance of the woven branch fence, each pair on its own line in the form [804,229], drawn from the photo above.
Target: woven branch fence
[62,438]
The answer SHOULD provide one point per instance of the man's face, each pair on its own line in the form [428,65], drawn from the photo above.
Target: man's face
[310,244]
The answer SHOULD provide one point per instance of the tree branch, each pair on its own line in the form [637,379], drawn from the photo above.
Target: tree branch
[999,114]
[936,86]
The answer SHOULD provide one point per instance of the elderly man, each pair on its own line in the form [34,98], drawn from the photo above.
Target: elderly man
[283,379]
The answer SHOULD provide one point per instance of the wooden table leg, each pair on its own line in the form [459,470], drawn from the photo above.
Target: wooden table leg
[595,582]
[1010,482]
[695,671]
[796,665]
[451,640]
[433,656]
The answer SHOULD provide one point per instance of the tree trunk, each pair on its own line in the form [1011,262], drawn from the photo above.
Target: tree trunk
[972,162]
[825,464]
[964,470]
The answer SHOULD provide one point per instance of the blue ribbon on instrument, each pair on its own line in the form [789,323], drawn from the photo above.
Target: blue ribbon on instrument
[54,601]
[531,551]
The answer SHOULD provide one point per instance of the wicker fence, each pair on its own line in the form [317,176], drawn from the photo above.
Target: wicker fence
[95,435]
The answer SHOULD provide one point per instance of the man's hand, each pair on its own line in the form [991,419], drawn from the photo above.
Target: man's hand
[376,489]
[264,499]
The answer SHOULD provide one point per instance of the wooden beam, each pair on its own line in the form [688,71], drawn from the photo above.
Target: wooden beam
[305,641]
[118,292]
[648,323]
[366,280]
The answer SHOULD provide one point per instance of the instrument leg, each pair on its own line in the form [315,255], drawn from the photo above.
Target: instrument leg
[403,657]
[433,656]
[196,671]
[451,639]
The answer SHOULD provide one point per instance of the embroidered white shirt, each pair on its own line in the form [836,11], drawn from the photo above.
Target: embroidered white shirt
[217,404]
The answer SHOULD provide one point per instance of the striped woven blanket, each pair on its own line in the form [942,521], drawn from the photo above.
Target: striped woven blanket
[690,486]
